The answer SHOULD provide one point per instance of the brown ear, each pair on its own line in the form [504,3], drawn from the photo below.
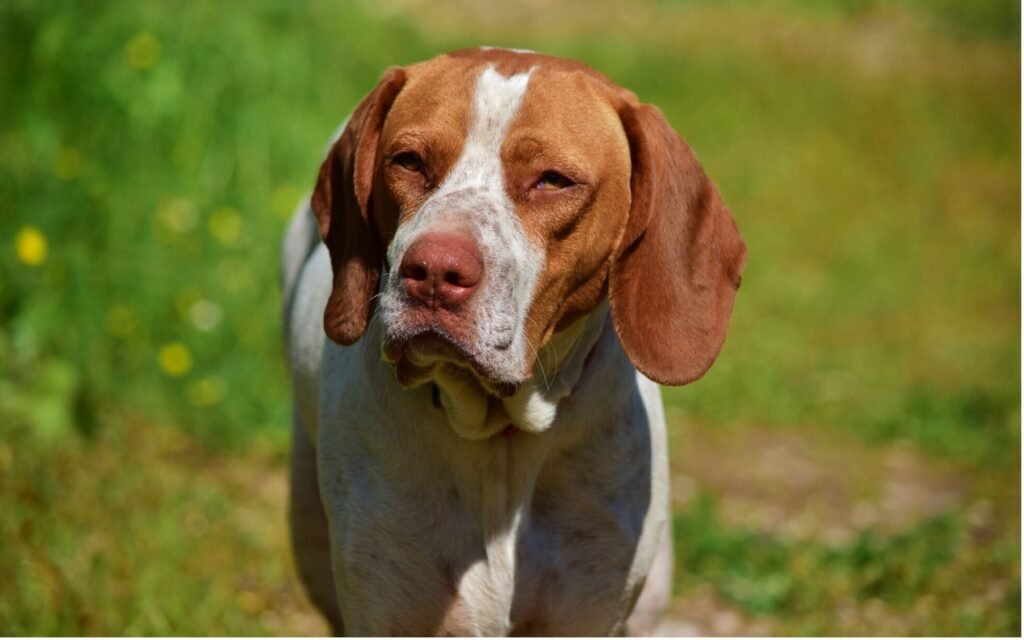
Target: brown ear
[674,280]
[341,202]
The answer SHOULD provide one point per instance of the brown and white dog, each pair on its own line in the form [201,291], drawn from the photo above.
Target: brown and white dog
[514,251]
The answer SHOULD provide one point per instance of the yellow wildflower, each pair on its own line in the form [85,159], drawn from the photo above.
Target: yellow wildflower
[142,51]
[225,225]
[175,359]
[30,246]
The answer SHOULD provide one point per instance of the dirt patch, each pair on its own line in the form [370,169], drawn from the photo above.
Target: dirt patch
[811,485]
[703,613]
[819,487]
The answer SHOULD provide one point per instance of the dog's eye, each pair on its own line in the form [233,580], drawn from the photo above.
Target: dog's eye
[552,181]
[409,160]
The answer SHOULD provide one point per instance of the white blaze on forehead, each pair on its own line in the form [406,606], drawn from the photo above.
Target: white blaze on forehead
[507,49]
[495,102]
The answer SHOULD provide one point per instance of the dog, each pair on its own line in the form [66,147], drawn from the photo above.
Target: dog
[503,254]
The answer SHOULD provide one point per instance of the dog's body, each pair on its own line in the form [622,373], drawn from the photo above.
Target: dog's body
[550,533]
[513,476]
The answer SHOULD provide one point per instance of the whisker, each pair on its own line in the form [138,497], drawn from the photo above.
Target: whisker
[536,355]
[540,363]
[549,349]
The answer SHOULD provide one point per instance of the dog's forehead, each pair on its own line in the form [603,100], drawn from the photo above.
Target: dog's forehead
[442,93]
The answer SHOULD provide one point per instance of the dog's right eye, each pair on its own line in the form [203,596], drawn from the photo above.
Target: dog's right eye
[409,160]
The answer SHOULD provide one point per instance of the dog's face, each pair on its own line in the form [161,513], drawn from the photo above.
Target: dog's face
[494,199]
[496,207]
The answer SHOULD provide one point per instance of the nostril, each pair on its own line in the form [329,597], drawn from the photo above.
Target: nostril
[416,272]
[456,278]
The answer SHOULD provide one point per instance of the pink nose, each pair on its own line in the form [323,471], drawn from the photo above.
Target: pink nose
[441,269]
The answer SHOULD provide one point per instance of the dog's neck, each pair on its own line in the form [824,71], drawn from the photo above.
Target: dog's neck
[557,371]
[533,408]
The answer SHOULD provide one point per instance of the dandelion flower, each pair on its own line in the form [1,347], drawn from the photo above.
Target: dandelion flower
[225,225]
[30,246]
[142,51]
[175,359]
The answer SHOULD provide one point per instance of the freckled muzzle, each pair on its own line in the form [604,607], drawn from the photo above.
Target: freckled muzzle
[454,300]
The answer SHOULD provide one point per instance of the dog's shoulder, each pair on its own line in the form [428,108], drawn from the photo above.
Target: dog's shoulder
[306,283]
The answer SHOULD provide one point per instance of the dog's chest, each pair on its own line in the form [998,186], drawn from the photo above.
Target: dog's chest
[507,536]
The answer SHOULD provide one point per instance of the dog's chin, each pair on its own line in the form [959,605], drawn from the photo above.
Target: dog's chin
[472,397]
[429,354]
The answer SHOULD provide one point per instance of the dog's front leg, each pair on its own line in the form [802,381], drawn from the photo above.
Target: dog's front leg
[308,523]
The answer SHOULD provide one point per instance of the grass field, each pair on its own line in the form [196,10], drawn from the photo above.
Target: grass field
[851,464]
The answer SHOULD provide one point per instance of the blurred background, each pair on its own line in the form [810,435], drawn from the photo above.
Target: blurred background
[851,464]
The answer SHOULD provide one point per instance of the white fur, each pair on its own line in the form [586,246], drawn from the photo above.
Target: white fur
[306,284]
[506,49]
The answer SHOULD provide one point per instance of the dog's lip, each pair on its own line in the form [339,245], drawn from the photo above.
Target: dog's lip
[428,341]
[432,343]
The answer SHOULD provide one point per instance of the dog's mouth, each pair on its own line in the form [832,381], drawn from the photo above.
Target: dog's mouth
[420,356]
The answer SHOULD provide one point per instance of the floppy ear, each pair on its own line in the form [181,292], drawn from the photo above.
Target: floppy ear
[341,202]
[679,262]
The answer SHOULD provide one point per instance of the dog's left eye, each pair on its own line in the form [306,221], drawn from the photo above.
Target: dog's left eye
[552,181]
[409,160]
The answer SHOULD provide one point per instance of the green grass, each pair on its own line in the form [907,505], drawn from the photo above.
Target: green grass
[918,574]
[869,151]
[143,532]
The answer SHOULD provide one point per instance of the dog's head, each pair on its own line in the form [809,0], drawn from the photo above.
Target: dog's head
[485,202]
